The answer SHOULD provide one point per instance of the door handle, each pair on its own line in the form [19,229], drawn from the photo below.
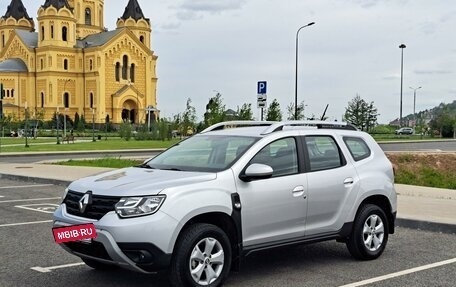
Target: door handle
[298,191]
[349,181]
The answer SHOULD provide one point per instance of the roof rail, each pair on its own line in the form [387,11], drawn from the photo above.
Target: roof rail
[318,124]
[236,124]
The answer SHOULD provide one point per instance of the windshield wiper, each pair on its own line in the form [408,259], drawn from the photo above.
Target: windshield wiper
[145,165]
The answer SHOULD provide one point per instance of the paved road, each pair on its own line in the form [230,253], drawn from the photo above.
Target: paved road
[23,247]
[420,146]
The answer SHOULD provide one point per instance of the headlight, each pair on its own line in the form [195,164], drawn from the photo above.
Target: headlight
[139,206]
[64,194]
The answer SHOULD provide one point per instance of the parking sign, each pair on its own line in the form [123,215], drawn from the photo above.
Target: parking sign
[262,88]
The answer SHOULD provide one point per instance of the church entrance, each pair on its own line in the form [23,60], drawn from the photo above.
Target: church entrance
[129,112]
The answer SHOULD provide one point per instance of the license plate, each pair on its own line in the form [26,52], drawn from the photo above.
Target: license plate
[83,232]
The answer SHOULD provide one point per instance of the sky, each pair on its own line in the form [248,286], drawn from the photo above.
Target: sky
[227,46]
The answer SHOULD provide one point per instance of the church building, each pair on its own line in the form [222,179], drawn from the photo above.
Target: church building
[69,63]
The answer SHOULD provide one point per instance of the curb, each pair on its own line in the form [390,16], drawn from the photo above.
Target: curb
[426,225]
[40,180]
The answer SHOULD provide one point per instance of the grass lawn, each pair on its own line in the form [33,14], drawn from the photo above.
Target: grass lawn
[102,162]
[110,144]
[9,140]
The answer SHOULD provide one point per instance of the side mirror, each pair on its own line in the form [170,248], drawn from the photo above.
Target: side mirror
[256,171]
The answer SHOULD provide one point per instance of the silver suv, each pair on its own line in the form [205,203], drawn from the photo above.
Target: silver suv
[201,206]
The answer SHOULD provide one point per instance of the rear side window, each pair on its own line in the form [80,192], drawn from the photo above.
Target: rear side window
[323,153]
[358,148]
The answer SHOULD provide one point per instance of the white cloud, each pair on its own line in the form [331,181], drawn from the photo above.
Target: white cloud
[213,6]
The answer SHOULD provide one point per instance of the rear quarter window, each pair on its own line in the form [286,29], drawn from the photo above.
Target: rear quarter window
[358,148]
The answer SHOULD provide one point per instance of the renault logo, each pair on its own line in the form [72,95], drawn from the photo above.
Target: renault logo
[84,201]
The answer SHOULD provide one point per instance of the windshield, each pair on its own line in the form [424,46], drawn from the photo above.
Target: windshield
[206,153]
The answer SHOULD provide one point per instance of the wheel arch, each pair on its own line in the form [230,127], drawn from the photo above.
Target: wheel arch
[223,221]
[382,202]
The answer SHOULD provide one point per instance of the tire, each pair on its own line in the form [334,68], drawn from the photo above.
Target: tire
[370,233]
[205,248]
[97,265]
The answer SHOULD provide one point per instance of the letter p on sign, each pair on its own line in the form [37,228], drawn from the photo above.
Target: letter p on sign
[262,88]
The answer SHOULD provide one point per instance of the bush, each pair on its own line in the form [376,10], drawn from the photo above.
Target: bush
[125,131]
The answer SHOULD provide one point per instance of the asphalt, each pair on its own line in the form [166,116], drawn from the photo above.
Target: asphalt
[424,208]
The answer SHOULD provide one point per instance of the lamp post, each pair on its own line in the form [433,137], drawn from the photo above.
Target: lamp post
[26,125]
[402,47]
[296,71]
[58,124]
[414,102]
[93,125]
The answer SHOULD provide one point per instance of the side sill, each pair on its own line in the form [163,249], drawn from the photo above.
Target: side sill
[343,233]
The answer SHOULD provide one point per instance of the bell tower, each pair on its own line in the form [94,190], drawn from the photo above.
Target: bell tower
[57,24]
[16,17]
[133,19]
[89,16]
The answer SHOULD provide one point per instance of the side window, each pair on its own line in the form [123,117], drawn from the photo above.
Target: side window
[358,148]
[323,153]
[281,155]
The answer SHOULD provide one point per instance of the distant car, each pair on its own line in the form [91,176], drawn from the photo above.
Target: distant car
[405,131]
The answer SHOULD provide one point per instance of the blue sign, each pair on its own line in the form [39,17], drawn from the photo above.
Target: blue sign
[262,87]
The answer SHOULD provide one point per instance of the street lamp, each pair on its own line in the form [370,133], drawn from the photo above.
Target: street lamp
[414,102]
[296,74]
[26,125]
[402,47]
[58,124]
[93,125]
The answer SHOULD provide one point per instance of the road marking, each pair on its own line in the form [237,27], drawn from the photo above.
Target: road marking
[32,199]
[25,223]
[40,207]
[25,186]
[49,269]
[401,273]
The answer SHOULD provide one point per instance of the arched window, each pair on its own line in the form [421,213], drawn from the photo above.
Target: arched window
[125,67]
[42,100]
[117,71]
[91,100]
[65,64]
[88,16]
[42,33]
[132,73]
[7,93]
[141,38]
[91,64]
[64,33]
[12,93]
[3,40]
[66,100]
[41,64]
[52,32]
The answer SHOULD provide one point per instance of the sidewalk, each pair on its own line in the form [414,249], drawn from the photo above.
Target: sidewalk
[418,207]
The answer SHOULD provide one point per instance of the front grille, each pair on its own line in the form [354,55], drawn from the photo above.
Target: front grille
[99,207]
[94,249]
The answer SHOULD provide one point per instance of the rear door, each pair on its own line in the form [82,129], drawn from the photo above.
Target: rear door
[332,182]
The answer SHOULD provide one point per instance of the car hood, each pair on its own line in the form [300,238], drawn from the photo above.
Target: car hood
[135,181]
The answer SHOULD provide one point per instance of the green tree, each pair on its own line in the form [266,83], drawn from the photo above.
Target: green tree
[188,121]
[274,113]
[215,111]
[444,122]
[300,111]
[245,112]
[361,114]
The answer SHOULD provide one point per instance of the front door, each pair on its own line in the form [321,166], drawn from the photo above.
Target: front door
[274,209]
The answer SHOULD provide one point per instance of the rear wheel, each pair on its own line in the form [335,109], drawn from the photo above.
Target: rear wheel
[202,257]
[370,233]
[98,265]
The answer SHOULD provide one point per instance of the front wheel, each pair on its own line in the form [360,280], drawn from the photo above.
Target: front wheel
[370,233]
[202,257]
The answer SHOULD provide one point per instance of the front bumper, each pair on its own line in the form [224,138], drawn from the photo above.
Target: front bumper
[140,244]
